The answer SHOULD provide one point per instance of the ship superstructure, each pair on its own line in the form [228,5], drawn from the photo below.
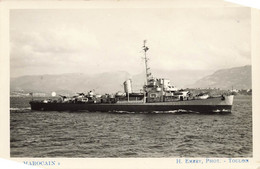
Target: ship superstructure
[160,90]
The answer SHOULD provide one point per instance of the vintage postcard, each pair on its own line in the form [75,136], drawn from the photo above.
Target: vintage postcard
[130,84]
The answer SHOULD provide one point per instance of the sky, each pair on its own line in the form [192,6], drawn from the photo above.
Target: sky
[57,41]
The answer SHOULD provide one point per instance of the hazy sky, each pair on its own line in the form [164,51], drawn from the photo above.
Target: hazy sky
[100,40]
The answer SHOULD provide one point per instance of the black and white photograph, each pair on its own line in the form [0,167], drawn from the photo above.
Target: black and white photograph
[131,82]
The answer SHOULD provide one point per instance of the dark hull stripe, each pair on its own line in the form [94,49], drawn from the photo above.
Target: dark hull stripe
[128,108]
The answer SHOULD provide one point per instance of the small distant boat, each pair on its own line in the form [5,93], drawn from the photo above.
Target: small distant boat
[157,95]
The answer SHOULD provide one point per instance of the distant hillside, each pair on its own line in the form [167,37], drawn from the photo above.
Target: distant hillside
[101,83]
[110,82]
[238,78]
[70,83]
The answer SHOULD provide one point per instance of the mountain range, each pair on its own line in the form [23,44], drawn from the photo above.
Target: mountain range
[110,82]
[233,78]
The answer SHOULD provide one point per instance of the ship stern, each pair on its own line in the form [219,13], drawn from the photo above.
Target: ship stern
[226,105]
[229,99]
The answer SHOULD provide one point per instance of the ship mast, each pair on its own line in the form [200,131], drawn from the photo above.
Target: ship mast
[148,74]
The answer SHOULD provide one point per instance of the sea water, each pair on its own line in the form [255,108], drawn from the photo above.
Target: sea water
[104,134]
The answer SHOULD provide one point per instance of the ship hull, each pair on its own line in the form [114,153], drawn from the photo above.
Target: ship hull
[213,105]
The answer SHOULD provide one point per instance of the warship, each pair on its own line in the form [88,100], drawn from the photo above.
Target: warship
[157,95]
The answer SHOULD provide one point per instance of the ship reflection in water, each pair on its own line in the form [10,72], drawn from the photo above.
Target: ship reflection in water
[97,134]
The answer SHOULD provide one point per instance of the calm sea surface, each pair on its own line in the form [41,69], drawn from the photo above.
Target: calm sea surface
[96,134]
